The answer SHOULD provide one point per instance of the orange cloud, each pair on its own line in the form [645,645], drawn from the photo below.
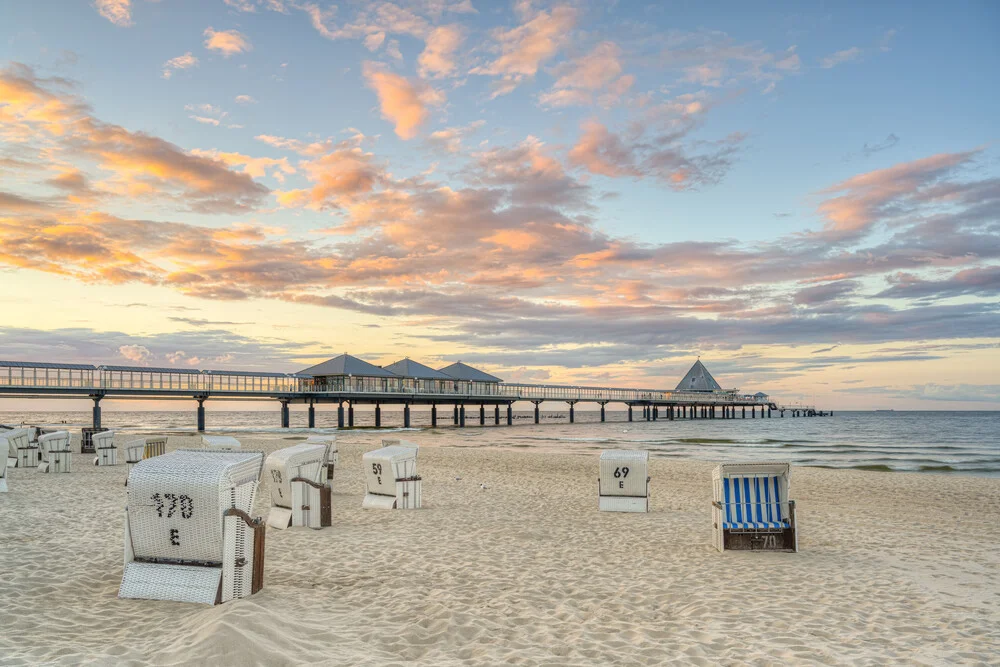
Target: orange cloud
[403,103]
[438,57]
[118,12]
[227,42]
[186,61]
[525,48]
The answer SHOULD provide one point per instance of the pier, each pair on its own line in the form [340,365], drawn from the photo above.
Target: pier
[347,382]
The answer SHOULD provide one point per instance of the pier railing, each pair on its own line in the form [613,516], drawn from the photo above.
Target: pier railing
[122,380]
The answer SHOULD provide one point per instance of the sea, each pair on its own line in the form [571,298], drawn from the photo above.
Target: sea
[954,443]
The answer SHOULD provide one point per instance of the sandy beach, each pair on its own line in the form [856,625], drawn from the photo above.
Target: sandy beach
[894,568]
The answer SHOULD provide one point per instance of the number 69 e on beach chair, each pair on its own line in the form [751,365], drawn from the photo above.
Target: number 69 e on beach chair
[300,487]
[623,485]
[189,536]
[391,476]
[751,510]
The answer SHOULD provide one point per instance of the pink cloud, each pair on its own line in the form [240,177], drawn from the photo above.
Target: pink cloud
[403,103]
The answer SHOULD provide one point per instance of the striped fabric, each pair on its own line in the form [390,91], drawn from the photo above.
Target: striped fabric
[752,503]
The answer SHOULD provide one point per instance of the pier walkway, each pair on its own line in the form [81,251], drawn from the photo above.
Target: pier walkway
[51,380]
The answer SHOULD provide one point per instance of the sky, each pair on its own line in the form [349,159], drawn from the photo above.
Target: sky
[805,195]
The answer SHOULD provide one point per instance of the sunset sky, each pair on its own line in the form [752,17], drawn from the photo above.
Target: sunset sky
[806,195]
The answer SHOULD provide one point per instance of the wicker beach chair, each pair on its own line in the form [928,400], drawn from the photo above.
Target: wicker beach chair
[333,457]
[143,448]
[751,510]
[104,447]
[623,484]
[189,535]
[24,452]
[220,442]
[300,491]
[391,476]
[55,452]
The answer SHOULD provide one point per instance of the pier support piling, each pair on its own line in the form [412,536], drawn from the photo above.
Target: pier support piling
[434,415]
[496,414]
[378,415]
[201,414]
[571,413]
[284,414]
[630,413]
[312,416]
[510,414]
[406,415]
[656,412]
[340,415]
[744,412]
[753,412]
[455,422]
[536,411]
[96,415]
[482,414]
[350,415]
[602,412]
[461,416]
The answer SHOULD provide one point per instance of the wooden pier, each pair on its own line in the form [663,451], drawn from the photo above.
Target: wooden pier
[461,390]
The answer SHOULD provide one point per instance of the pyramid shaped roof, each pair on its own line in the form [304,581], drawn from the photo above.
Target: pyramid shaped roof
[460,371]
[413,369]
[346,364]
[698,379]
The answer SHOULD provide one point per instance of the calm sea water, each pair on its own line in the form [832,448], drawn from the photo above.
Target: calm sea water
[933,442]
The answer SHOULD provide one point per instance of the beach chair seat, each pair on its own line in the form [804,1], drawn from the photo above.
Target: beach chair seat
[751,509]
[56,455]
[300,490]
[19,445]
[189,534]
[220,442]
[391,478]
[104,447]
[623,483]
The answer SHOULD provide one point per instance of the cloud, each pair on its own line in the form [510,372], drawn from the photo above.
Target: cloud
[865,199]
[118,12]
[437,60]
[827,292]
[138,354]
[403,103]
[663,157]
[525,48]
[981,281]
[581,79]
[886,144]
[131,163]
[245,99]
[227,42]
[450,138]
[186,61]
[252,5]
[713,59]
[851,55]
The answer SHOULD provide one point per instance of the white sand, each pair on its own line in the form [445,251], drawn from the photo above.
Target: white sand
[894,568]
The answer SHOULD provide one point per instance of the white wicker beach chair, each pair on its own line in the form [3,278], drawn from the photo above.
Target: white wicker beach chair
[55,452]
[300,493]
[21,448]
[333,457]
[143,448]
[220,442]
[391,476]
[104,446]
[751,510]
[623,484]
[189,535]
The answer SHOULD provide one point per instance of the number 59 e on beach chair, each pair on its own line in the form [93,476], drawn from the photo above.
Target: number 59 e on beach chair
[751,510]
[189,536]
[391,476]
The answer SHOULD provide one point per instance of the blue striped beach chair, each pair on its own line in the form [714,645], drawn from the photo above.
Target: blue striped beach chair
[751,509]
